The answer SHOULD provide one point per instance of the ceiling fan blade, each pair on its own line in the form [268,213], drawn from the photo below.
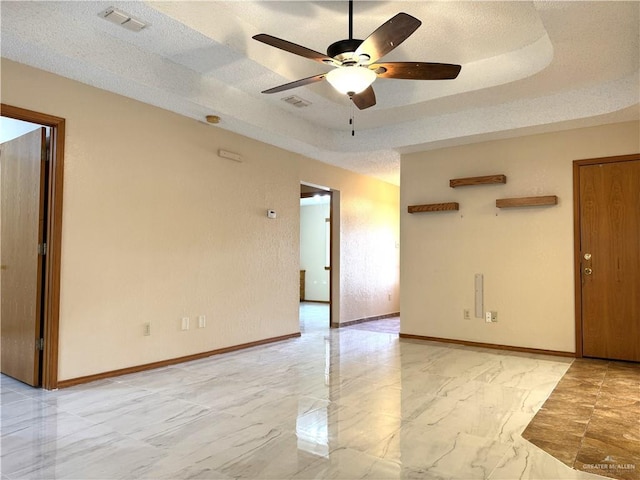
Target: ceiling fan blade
[292,48]
[364,99]
[298,83]
[416,70]
[388,36]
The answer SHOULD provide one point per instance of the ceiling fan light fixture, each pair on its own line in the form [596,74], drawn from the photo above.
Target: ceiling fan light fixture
[351,80]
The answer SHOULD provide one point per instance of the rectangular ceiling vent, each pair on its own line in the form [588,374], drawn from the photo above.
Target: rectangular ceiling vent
[296,101]
[123,19]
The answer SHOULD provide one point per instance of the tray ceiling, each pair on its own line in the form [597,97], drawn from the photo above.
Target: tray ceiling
[527,67]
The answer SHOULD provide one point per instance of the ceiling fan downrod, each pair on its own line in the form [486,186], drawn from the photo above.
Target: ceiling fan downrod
[350,19]
[342,49]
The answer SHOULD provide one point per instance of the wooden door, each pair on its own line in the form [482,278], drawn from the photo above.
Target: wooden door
[22,186]
[610,259]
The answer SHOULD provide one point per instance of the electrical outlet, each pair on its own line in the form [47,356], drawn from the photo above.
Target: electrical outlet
[466,314]
[185,323]
[202,321]
[491,317]
[146,329]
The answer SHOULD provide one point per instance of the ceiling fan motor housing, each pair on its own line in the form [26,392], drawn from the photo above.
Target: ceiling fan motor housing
[338,49]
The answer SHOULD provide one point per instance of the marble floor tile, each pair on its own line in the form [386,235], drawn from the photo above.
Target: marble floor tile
[386,325]
[608,459]
[447,452]
[94,452]
[344,463]
[525,461]
[17,416]
[591,421]
[333,404]
[9,396]
[237,453]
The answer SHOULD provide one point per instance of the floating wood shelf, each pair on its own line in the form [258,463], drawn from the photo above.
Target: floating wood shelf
[486,180]
[433,207]
[527,201]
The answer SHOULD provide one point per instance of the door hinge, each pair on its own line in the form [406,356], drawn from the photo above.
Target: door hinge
[42,249]
[40,344]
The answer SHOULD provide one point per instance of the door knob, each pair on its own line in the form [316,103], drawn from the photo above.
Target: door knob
[588,271]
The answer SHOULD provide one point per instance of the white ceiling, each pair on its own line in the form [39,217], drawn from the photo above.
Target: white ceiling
[527,67]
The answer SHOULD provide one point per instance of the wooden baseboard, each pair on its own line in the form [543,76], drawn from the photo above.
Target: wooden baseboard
[494,346]
[366,319]
[172,361]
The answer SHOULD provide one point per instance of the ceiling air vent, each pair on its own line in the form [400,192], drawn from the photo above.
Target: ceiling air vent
[296,101]
[123,19]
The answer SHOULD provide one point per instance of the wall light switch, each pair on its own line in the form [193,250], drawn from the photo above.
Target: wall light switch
[202,321]
[185,323]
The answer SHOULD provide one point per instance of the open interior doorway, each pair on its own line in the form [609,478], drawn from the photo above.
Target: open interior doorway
[31,168]
[23,207]
[316,206]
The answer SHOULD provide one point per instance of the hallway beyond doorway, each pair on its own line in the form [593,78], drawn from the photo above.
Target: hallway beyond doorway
[314,317]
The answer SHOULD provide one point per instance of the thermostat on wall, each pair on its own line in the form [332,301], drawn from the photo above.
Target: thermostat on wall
[271,214]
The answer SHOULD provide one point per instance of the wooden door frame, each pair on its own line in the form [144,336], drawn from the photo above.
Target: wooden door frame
[49,378]
[333,260]
[577,260]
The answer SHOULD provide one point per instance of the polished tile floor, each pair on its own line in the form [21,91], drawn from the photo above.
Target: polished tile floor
[386,325]
[335,404]
[591,421]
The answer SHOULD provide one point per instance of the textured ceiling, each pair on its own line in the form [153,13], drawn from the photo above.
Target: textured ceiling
[527,67]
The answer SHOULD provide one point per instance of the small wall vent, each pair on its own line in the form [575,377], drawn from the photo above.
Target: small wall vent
[296,101]
[123,19]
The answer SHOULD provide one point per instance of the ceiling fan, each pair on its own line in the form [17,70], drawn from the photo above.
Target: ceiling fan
[356,61]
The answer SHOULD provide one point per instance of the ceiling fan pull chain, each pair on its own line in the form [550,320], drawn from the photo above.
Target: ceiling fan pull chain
[352,122]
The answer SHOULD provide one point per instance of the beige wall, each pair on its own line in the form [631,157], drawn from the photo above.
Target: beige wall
[525,254]
[156,226]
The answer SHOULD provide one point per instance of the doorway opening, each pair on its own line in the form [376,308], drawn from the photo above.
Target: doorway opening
[31,175]
[317,257]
